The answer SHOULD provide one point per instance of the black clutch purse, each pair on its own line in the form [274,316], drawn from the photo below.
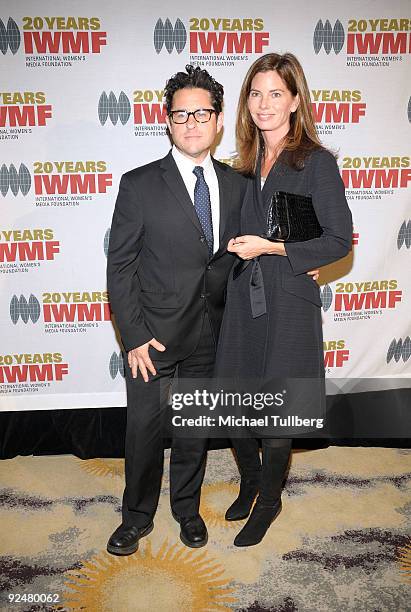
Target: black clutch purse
[291,218]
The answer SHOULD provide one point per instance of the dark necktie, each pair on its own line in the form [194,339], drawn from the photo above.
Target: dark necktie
[202,204]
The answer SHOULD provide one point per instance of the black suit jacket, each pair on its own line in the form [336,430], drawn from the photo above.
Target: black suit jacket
[160,279]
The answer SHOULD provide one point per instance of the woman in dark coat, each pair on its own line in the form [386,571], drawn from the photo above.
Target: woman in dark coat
[272,324]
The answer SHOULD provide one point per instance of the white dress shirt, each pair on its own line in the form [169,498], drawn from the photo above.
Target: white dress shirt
[186,167]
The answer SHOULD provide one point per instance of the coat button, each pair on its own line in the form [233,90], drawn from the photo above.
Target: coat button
[202,239]
[209,267]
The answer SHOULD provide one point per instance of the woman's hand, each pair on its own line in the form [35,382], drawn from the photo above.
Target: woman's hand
[248,247]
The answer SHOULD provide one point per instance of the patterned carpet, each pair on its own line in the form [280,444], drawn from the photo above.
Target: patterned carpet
[341,543]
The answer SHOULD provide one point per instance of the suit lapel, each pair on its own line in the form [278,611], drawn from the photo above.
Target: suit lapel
[175,182]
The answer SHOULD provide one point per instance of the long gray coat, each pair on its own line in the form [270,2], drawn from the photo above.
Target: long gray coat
[287,341]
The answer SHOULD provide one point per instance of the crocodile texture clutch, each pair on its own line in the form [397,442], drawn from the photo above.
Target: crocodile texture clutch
[291,218]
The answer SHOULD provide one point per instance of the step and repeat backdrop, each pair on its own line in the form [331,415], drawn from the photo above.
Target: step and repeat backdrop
[81,102]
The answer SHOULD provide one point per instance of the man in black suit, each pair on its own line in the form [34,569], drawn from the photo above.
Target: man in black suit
[167,271]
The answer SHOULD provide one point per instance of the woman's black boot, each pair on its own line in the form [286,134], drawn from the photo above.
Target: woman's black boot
[241,507]
[248,458]
[257,525]
[268,505]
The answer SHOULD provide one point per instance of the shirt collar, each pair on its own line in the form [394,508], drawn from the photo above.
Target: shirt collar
[187,164]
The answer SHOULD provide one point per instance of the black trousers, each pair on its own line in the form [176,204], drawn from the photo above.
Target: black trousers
[146,404]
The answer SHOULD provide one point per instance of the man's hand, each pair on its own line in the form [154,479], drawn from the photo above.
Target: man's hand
[139,359]
[314,273]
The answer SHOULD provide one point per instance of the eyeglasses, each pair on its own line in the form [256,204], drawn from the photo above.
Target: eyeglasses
[201,115]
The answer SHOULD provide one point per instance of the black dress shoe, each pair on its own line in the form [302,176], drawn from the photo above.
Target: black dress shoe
[124,541]
[241,507]
[257,525]
[193,531]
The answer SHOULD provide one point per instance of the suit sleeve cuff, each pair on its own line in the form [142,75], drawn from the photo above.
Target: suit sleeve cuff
[132,338]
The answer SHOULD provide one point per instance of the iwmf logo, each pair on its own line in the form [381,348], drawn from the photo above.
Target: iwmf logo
[328,37]
[67,307]
[9,36]
[365,37]
[398,349]
[23,109]
[110,106]
[106,241]
[404,235]
[51,35]
[14,180]
[167,35]
[215,35]
[116,365]
[24,309]
[326,295]
[148,108]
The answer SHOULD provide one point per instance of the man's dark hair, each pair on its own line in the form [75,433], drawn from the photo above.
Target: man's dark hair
[194,77]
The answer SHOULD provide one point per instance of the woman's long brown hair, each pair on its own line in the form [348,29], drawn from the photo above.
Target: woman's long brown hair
[302,137]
